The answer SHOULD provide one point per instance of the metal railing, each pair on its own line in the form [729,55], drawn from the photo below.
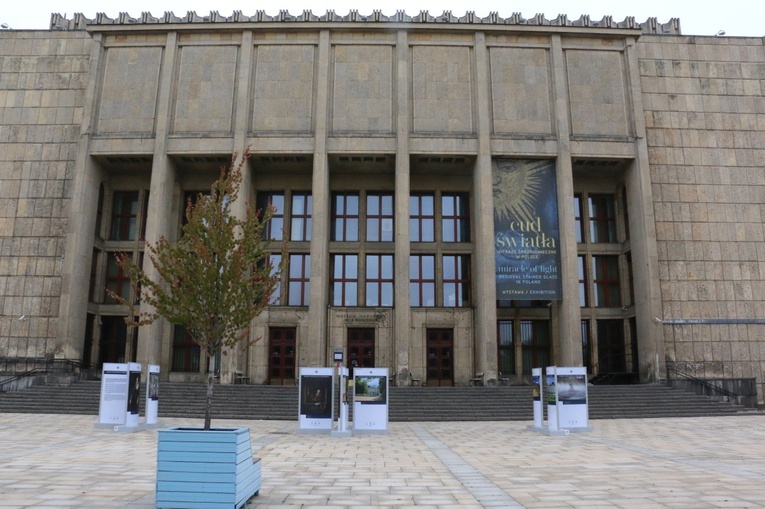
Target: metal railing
[706,384]
[35,366]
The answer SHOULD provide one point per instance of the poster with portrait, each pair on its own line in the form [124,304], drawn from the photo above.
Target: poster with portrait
[316,396]
[526,232]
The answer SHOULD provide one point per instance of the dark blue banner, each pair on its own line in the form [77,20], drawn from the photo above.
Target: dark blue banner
[526,233]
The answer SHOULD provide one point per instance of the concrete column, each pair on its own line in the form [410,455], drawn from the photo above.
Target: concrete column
[484,279]
[152,339]
[645,262]
[314,342]
[238,359]
[402,311]
[75,272]
[567,344]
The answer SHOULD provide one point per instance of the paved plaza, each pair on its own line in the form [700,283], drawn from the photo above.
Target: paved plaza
[55,461]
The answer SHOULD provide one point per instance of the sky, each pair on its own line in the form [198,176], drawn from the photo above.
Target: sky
[697,17]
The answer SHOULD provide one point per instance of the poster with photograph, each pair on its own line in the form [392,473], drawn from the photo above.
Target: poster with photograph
[371,390]
[153,386]
[572,389]
[316,396]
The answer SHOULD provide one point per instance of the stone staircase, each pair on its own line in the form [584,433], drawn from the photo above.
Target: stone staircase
[405,403]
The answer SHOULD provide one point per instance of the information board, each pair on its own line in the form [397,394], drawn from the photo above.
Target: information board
[114,394]
[370,400]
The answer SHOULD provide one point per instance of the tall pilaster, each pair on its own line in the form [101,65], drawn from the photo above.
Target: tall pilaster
[402,343]
[642,226]
[159,217]
[567,346]
[75,273]
[485,297]
[315,338]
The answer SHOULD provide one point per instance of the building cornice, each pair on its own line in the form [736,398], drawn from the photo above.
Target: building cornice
[424,19]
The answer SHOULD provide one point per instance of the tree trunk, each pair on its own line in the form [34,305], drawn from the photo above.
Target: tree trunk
[210,382]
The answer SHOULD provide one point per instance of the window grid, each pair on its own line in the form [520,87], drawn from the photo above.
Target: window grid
[345,217]
[422,218]
[116,280]
[274,229]
[578,224]
[583,301]
[302,209]
[380,215]
[299,284]
[422,281]
[605,279]
[379,280]
[124,215]
[345,280]
[456,283]
[275,260]
[602,218]
[455,218]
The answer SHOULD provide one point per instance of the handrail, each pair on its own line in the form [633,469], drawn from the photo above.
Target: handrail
[702,382]
[42,366]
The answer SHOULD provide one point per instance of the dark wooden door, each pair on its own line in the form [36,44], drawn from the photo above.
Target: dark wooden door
[361,348]
[281,359]
[440,347]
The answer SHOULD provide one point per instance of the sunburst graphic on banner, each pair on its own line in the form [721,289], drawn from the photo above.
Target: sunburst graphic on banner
[517,186]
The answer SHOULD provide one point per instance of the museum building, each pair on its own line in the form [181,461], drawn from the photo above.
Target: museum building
[458,197]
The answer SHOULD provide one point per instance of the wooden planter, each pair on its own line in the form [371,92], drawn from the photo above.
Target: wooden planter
[199,469]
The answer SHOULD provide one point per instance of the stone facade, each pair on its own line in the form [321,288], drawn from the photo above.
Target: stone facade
[106,126]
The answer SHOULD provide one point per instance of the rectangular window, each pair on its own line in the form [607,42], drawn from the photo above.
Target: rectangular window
[630,279]
[422,281]
[626,212]
[582,281]
[505,347]
[455,218]
[422,218]
[380,217]
[578,225]
[144,215]
[274,229]
[274,260]
[605,279]
[345,217]
[124,215]
[299,282]
[116,281]
[379,281]
[586,352]
[602,218]
[535,344]
[186,353]
[302,209]
[345,280]
[456,281]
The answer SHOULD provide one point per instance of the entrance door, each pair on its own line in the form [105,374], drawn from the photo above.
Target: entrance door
[611,351]
[361,348]
[440,357]
[281,359]
[111,348]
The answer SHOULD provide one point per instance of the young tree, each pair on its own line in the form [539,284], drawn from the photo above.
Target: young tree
[215,279]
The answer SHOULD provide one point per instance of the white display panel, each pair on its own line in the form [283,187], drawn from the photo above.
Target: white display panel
[152,394]
[114,394]
[370,399]
[315,407]
[134,391]
[571,388]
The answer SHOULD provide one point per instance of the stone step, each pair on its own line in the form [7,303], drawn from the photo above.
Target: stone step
[406,403]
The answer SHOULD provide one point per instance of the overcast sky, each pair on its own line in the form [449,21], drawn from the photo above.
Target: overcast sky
[697,17]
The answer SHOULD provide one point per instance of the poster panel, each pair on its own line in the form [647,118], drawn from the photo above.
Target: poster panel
[152,394]
[536,396]
[526,232]
[315,404]
[134,392]
[114,394]
[573,410]
[370,399]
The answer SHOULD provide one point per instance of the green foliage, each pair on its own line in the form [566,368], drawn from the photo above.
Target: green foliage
[216,278]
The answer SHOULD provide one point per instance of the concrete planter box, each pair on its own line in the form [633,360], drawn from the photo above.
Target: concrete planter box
[199,469]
